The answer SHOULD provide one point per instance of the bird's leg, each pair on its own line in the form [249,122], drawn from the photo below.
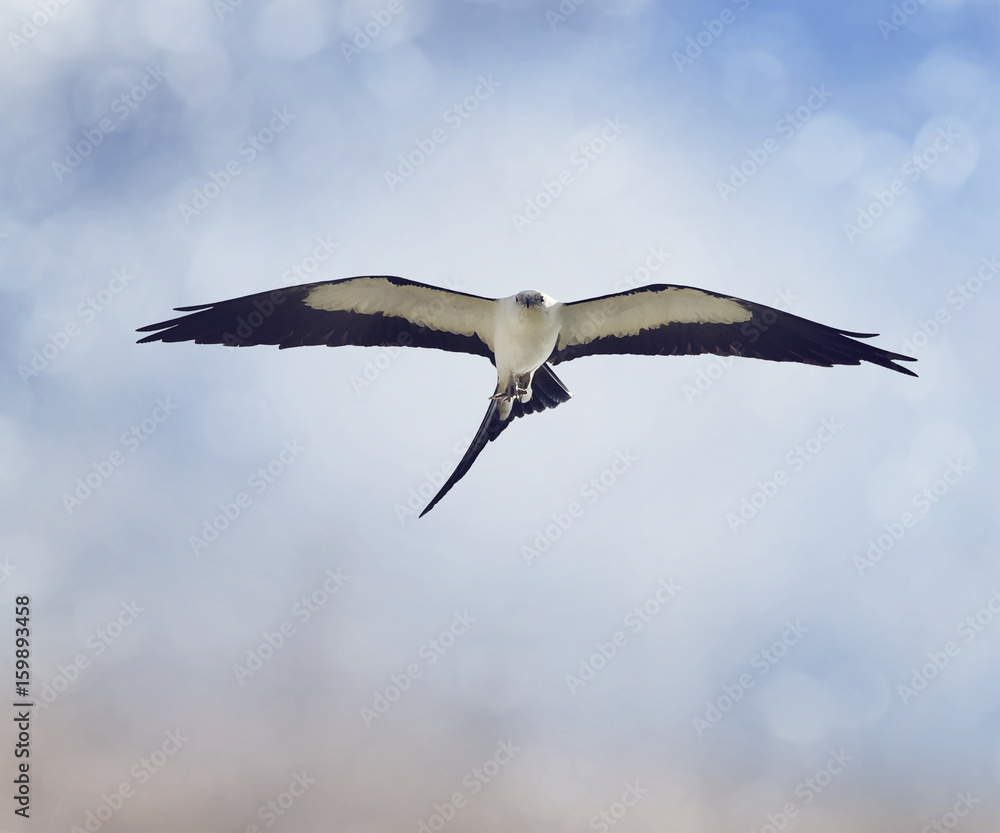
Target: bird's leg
[517,386]
[505,392]
[522,386]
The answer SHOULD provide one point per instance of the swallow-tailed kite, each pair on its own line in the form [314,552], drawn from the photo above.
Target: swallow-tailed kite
[521,335]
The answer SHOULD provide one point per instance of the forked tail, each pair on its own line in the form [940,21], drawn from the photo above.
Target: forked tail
[546,392]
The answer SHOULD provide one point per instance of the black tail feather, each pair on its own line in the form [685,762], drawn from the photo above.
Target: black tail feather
[492,424]
[547,391]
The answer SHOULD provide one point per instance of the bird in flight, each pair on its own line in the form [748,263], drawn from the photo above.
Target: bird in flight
[521,335]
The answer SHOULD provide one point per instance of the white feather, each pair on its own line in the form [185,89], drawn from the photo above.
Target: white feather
[626,315]
[436,309]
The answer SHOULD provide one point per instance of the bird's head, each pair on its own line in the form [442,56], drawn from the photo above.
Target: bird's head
[530,298]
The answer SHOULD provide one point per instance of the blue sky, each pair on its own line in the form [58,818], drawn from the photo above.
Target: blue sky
[704,595]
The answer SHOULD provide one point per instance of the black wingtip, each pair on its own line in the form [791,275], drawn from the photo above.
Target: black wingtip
[855,353]
[157,330]
[149,328]
[905,370]
[886,358]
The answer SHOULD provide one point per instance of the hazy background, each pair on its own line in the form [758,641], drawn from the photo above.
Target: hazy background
[705,436]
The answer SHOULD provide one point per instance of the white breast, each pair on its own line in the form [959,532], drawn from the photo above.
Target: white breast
[525,338]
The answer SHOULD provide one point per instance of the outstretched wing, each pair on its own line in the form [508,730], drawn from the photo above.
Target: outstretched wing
[368,311]
[665,320]
[547,391]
